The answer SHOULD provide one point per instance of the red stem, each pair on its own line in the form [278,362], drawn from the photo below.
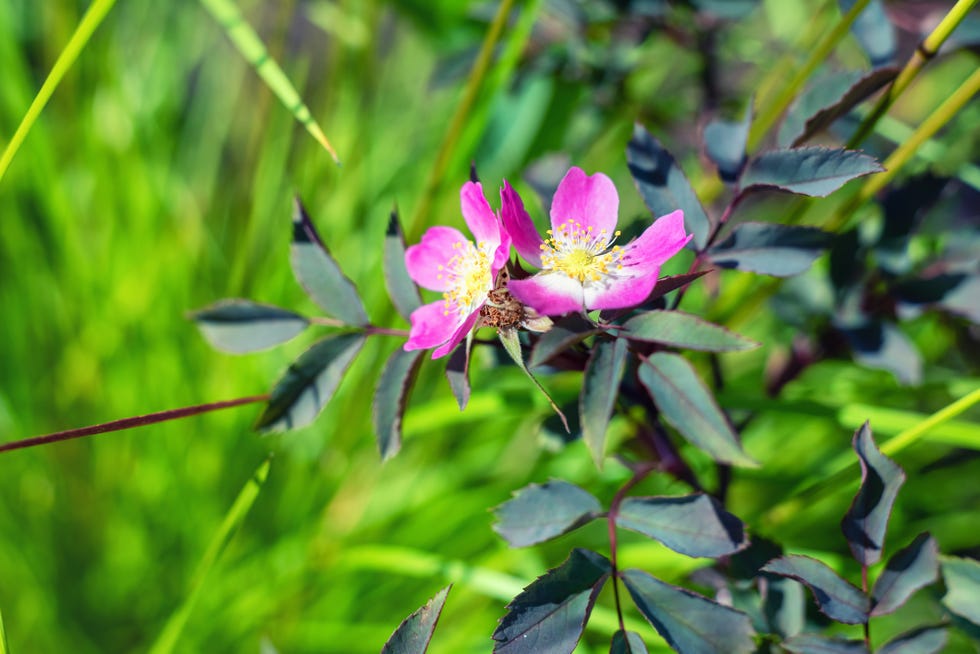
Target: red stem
[639,473]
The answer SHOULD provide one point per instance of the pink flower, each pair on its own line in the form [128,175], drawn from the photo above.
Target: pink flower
[445,260]
[581,269]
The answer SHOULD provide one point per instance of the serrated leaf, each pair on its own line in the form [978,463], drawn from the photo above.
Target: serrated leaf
[925,640]
[883,346]
[770,248]
[829,98]
[565,333]
[874,31]
[389,399]
[724,143]
[600,388]
[309,383]
[550,614]
[836,598]
[695,525]
[627,642]
[320,275]
[962,579]
[413,635]
[458,371]
[541,512]
[865,523]
[685,331]
[512,345]
[907,571]
[663,185]
[812,171]
[241,326]
[402,290]
[687,621]
[687,404]
[814,644]
[785,606]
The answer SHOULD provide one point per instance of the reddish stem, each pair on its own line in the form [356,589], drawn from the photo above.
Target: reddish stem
[639,473]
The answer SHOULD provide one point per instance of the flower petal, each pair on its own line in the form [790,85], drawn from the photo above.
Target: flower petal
[589,201]
[518,224]
[549,294]
[502,254]
[621,292]
[425,260]
[658,243]
[478,215]
[431,326]
[457,335]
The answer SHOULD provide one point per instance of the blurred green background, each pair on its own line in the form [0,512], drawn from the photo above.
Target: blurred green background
[159,179]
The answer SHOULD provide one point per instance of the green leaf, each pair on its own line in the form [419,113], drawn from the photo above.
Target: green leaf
[600,388]
[814,644]
[785,606]
[907,571]
[627,642]
[770,248]
[565,333]
[320,275]
[962,578]
[687,621]
[663,185]
[512,345]
[695,525]
[724,143]
[550,615]
[241,326]
[836,598]
[816,172]
[865,523]
[390,397]
[688,406]
[309,383]
[874,31]
[402,290]
[413,635]
[884,346]
[684,330]
[458,372]
[925,640]
[251,47]
[4,648]
[541,512]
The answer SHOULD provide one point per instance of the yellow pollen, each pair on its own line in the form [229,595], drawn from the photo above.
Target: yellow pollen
[468,278]
[578,252]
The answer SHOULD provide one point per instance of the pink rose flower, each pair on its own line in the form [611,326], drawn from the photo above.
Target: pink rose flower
[580,267]
[445,260]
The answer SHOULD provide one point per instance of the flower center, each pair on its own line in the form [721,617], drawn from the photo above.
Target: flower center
[581,253]
[468,275]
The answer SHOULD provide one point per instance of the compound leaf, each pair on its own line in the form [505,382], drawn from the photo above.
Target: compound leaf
[695,525]
[540,512]
[241,326]
[812,171]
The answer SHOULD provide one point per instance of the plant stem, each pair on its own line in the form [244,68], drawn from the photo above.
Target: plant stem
[639,474]
[129,423]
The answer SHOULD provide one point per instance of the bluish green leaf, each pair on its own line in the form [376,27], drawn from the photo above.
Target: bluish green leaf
[663,185]
[816,172]
[724,143]
[458,372]
[402,290]
[241,326]
[814,644]
[687,621]
[565,333]
[962,579]
[883,346]
[320,275]
[512,345]
[685,331]
[770,248]
[836,598]
[925,640]
[600,388]
[413,635]
[695,525]
[541,512]
[309,383]
[785,606]
[627,642]
[389,399]
[874,31]
[685,402]
[865,523]
[730,9]
[550,614]
[907,571]
[956,293]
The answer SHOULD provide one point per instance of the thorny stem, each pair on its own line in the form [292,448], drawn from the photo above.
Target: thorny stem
[129,423]
[639,474]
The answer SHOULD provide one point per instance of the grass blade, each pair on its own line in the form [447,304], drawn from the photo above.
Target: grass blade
[3,637]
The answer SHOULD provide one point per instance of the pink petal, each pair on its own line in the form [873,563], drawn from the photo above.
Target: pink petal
[589,201]
[502,254]
[622,292]
[550,294]
[658,243]
[478,215]
[457,336]
[518,224]
[424,259]
[430,326]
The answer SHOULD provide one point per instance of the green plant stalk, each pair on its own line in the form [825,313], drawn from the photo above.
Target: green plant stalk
[925,52]
[455,129]
[251,47]
[92,19]
[774,109]
[167,639]
[4,649]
